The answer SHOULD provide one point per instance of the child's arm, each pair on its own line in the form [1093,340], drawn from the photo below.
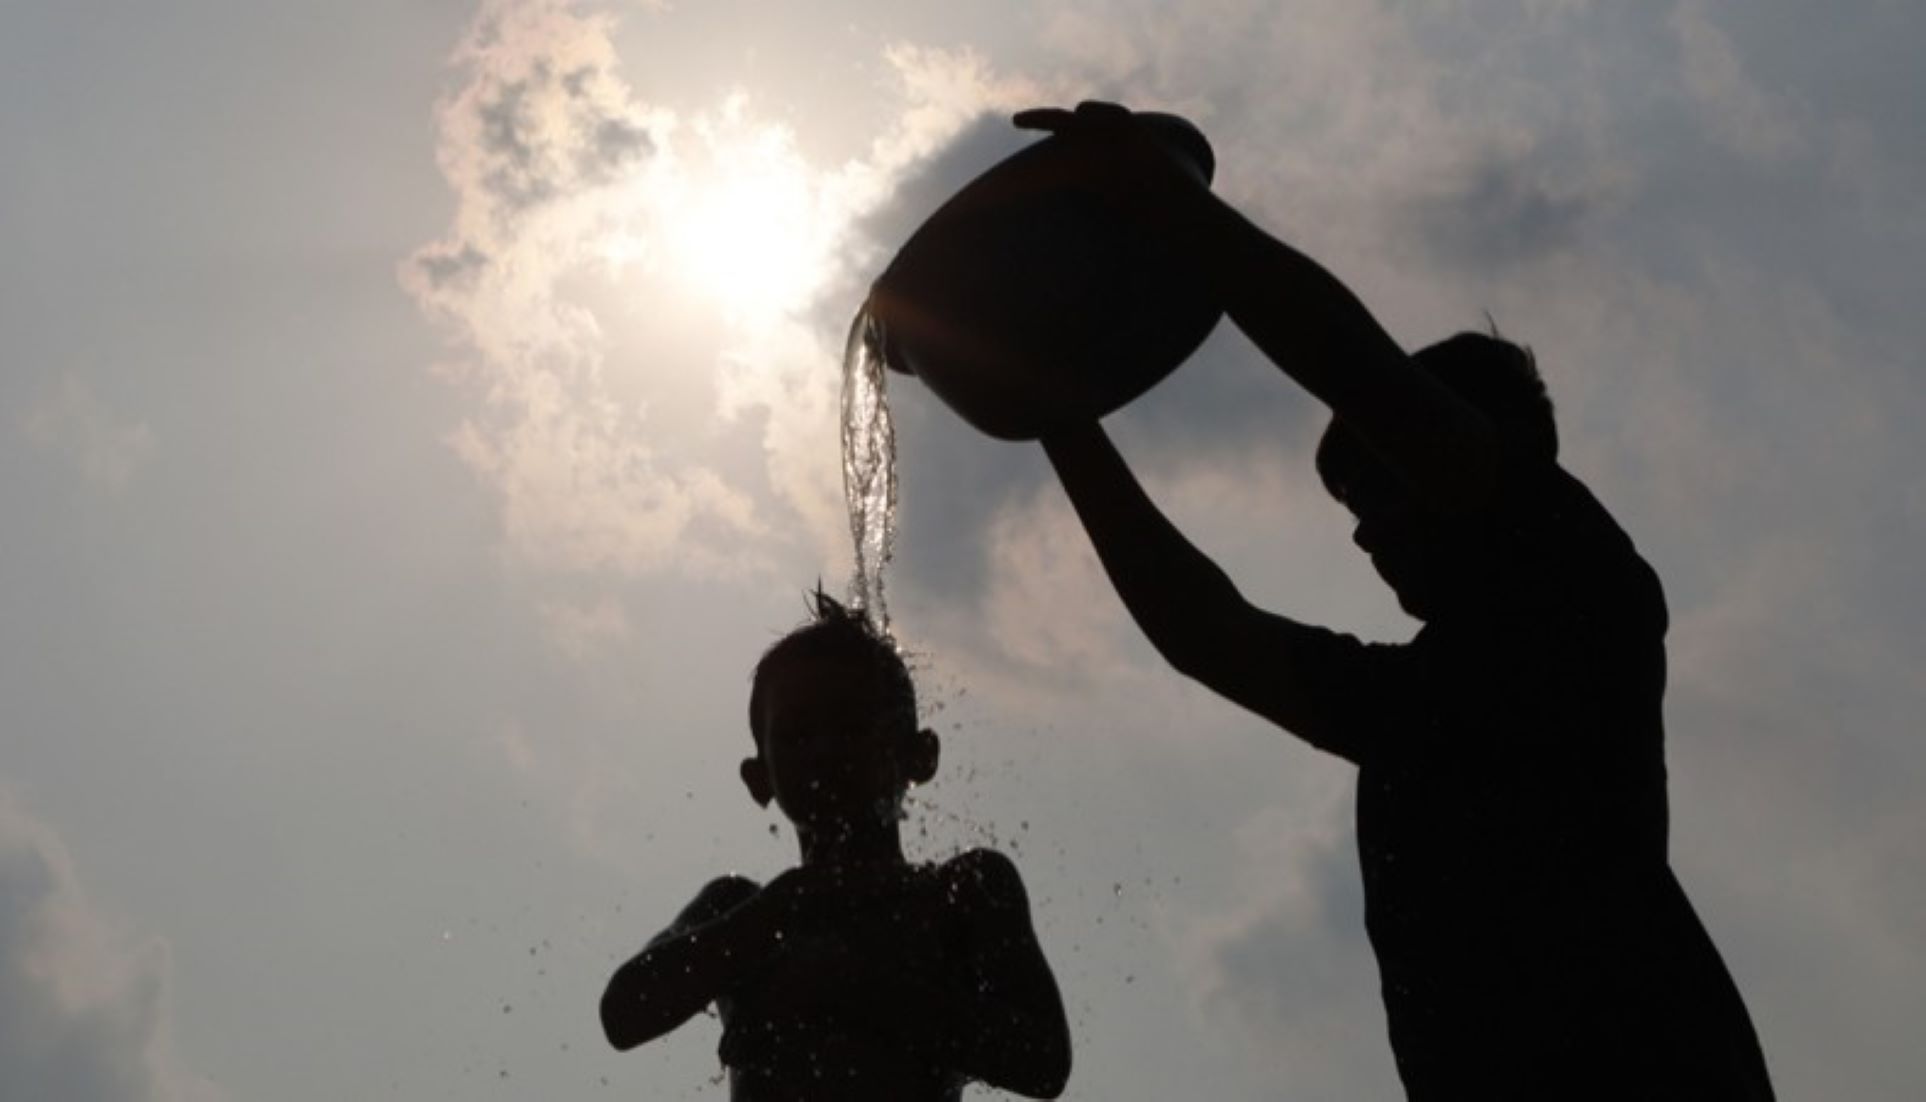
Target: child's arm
[1292,674]
[1012,1034]
[1300,315]
[996,1016]
[710,947]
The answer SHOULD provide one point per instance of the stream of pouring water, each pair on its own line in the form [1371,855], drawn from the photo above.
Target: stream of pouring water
[869,466]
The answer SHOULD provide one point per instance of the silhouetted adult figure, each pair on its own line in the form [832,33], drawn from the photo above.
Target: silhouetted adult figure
[1532,941]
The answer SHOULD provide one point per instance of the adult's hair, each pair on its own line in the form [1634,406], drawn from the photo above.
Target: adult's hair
[837,632]
[1497,377]
[1501,379]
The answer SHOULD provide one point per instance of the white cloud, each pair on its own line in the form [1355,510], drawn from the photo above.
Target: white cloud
[83,1010]
[1709,386]
[583,631]
[107,449]
[1049,606]
[1744,116]
[549,153]
[1717,385]
[1286,971]
[589,226]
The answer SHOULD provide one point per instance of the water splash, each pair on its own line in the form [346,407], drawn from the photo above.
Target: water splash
[869,466]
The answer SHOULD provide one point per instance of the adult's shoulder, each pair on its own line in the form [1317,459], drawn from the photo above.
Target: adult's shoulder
[1562,533]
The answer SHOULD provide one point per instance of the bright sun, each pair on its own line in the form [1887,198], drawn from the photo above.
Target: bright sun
[744,223]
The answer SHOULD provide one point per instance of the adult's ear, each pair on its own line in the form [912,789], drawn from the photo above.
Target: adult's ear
[921,756]
[755,777]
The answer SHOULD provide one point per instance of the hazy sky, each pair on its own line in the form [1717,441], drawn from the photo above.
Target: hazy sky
[418,416]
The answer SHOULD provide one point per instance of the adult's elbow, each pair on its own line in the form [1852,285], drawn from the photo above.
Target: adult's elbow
[1193,643]
[1188,654]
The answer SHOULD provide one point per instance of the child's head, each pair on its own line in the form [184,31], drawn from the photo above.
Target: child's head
[1409,547]
[832,710]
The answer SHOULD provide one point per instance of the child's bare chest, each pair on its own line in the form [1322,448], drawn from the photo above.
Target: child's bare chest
[836,994]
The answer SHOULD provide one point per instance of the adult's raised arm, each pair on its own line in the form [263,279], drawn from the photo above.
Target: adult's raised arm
[1295,675]
[1300,315]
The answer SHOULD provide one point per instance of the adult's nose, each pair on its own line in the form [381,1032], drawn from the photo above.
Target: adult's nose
[1365,535]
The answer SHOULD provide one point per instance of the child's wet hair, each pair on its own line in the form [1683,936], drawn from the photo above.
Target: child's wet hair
[835,630]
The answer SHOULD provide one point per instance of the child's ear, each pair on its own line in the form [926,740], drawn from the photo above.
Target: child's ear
[755,777]
[919,761]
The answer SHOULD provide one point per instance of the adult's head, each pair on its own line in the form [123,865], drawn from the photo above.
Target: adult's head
[1419,553]
[832,709]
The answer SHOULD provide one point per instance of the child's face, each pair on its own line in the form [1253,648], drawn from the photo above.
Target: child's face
[830,740]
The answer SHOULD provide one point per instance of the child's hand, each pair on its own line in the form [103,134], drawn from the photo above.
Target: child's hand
[809,898]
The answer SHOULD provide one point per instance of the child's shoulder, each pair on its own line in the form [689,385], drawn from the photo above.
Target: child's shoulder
[984,876]
[723,893]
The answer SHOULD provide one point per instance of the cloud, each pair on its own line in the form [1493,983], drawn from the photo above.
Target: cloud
[1286,971]
[1621,187]
[83,1011]
[107,449]
[1717,316]
[583,631]
[1743,116]
[578,243]
[1505,206]
[548,153]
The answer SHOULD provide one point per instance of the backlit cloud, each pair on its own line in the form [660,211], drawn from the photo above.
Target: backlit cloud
[611,258]
[107,448]
[549,154]
[83,1010]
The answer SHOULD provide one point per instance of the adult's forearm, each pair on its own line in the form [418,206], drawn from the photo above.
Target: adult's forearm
[1308,323]
[1169,586]
[1300,315]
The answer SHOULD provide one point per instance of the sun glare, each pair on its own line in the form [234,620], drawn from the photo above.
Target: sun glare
[746,228]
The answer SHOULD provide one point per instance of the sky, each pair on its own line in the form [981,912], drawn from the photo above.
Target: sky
[415,418]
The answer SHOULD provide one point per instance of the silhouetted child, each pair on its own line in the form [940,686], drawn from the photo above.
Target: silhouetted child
[1532,941]
[855,975]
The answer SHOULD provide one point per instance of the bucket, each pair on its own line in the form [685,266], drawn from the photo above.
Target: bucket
[1026,304]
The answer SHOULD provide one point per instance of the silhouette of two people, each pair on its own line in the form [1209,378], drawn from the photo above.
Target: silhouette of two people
[856,975]
[1531,938]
